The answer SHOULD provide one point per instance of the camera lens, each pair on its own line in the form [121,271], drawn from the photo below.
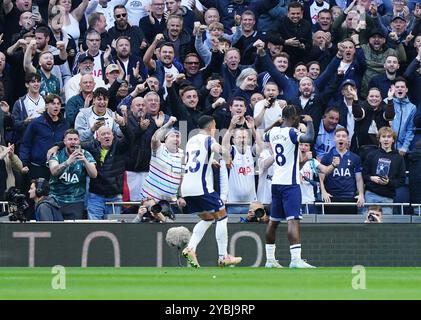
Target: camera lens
[259,213]
[156,208]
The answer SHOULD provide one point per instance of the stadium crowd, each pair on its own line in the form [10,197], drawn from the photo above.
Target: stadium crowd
[98,97]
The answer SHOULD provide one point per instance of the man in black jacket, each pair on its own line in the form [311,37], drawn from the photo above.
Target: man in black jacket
[123,28]
[383,170]
[109,154]
[294,32]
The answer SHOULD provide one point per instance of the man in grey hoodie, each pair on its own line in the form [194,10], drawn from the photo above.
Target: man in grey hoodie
[46,207]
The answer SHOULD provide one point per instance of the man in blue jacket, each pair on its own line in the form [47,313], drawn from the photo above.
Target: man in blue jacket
[403,123]
[42,134]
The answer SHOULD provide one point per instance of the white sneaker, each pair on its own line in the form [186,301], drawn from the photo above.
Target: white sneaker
[272,264]
[300,263]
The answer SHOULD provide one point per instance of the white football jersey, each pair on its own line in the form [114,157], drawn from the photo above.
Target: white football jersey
[284,143]
[198,175]
[241,183]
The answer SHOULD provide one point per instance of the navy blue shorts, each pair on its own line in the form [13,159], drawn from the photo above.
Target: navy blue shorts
[210,202]
[286,202]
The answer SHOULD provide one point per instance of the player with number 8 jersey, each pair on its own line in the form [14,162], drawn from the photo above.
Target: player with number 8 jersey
[286,192]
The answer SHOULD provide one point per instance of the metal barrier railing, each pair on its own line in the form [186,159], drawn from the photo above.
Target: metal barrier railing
[382,204]
[3,205]
[322,204]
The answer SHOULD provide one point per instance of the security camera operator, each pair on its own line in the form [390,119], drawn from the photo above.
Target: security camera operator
[374,215]
[46,207]
[152,211]
[256,213]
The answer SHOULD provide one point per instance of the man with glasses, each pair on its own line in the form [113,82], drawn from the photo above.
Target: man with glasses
[192,70]
[101,58]
[123,28]
[154,23]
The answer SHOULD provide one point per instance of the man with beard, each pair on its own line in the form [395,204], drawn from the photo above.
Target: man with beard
[123,28]
[175,7]
[49,82]
[166,62]
[42,134]
[385,80]
[269,110]
[294,32]
[375,52]
[178,36]
[312,103]
[69,168]
[133,67]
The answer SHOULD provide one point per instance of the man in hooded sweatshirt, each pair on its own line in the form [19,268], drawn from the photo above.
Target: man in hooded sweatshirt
[383,170]
[46,207]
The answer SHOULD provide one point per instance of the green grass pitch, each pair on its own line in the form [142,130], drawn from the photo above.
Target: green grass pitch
[209,283]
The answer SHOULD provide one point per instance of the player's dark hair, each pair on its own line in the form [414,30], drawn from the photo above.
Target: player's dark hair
[204,121]
[290,114]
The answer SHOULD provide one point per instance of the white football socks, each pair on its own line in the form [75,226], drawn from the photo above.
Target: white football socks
[295,250]
[221,235]
[270,251]
[199,231]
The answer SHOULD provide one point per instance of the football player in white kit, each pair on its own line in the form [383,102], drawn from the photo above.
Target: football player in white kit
[201,199]
[286,192]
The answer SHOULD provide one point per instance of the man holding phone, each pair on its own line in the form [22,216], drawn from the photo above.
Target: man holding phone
[69,168]
[89,120]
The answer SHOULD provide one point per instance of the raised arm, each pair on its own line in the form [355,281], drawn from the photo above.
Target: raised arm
[147,58]
[27,58]
[79,11]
